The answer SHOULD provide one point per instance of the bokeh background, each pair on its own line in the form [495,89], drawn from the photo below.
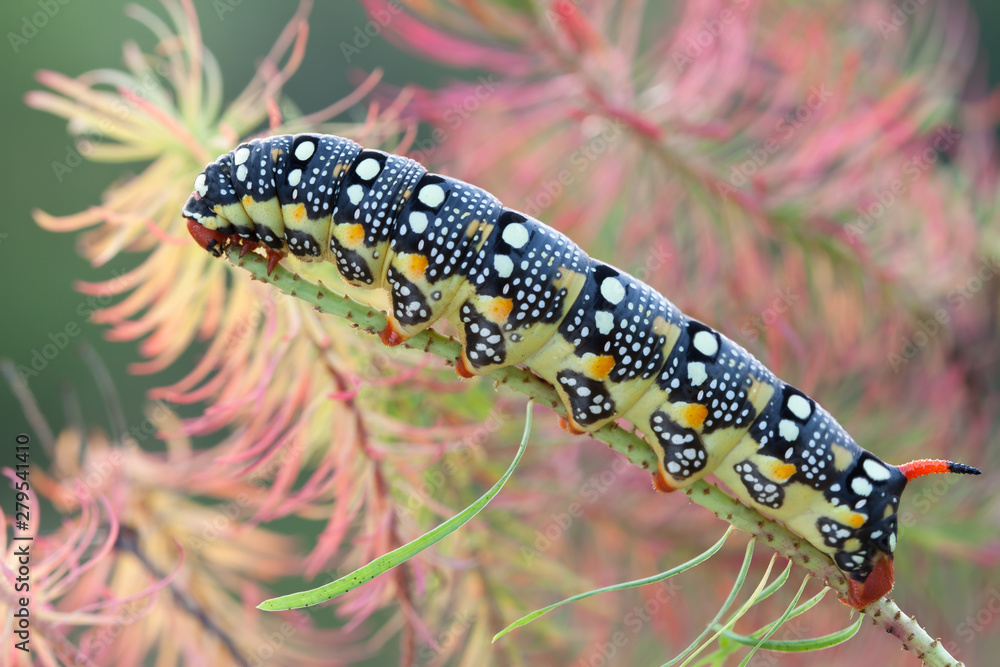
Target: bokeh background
[40,303]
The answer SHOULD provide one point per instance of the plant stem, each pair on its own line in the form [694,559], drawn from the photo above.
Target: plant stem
[883,612]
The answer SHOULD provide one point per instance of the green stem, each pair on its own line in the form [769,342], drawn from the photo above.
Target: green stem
[883,612]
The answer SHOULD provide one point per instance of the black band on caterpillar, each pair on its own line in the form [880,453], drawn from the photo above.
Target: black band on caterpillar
[520,292]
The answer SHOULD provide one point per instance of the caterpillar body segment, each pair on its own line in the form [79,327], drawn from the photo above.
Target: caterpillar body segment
[518,291]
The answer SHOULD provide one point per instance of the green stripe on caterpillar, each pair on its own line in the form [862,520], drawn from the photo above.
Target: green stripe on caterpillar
[519,292]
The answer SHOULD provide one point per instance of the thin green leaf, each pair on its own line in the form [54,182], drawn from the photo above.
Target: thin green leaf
[402,554]
[798,611]
[524,620]
[773,587]
[778,623]
[737,585]
[746,606]
[801,645]
[810,603]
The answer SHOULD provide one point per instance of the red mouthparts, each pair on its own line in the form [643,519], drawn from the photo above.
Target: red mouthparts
[879,582]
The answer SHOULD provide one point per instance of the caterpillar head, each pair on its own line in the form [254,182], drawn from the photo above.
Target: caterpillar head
[869,566]
[210,230]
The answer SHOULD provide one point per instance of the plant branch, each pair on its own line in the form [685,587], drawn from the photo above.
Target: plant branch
[883,612]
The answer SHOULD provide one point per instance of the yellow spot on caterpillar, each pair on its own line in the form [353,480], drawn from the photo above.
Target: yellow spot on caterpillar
[247,201]
[783,471]
[416,264]
[276,153]
[353,235]
[598,367]
[299,213]
[695,414]
[856,520]
[497,309]
[842,457]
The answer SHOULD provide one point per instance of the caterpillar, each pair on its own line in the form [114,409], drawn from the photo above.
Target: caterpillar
[520,292]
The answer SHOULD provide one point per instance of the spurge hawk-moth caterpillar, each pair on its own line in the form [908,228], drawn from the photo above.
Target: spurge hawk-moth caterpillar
[519,292]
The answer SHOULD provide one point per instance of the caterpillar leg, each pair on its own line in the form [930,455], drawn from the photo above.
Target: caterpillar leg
[210,239]
[661,481]
[462,367]
[390,335]
[568,425]
[248,246]
[273,257]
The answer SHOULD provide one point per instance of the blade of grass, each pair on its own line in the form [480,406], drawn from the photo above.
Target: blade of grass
[801,645]
[798,611]
[701,558]
[746,607]
[778,623]
[402,554]
[737,585]
[773,587]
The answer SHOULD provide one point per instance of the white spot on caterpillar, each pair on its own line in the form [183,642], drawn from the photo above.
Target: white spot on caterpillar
[418,220]
[892,542]
[241,155]
[305,150]
[200,186]
[605,321]
[515,234]
[861,486]
[799,406]
[788,430]
[876,470]
[368,169]
[697,373]
[294,177]
[355,193]
[503,265]
[431,195]
[241,173]
[612,290]
[706,343]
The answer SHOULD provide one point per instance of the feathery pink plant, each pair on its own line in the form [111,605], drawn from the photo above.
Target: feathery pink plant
[735,155]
